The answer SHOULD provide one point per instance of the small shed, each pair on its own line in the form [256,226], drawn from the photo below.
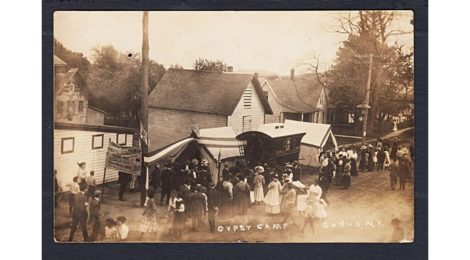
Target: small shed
[317,138]
[272,143]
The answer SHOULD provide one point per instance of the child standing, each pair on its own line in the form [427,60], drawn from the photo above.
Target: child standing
[149,222]
[110,230]
[122,228]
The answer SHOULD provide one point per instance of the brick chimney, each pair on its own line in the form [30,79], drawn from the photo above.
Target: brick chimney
[292,74]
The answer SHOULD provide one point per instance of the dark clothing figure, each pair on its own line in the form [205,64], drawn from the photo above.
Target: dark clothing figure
[197,208]
[353,167]
[167,181]
[296,173]
[155,178]
[226,173]
[380,160]
[95,218]
[79,215]
[393,152]
[370,161]
[339,171]
[326,178]
[363,160]
[213,201]
[184,192]
[241,198]
[394,173]
[404,172]
[180,177]
[124,179]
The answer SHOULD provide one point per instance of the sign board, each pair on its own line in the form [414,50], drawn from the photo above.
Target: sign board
[125,159]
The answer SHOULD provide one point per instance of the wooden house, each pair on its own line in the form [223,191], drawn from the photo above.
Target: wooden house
[75,143]
[70,100]
[185,100]
[297,98]
[79,131]
[272,143]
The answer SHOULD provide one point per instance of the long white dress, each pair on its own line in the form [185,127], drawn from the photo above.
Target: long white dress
[273,198]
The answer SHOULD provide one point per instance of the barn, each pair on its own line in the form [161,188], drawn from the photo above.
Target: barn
[318,137]
[185,100]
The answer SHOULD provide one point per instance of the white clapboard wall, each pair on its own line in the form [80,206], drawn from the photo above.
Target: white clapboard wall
[66,163]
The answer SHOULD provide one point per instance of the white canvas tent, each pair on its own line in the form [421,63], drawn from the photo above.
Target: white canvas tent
[220,140]
[318,137]
[206,143]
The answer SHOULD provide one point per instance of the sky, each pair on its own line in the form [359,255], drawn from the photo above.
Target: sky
[264,41]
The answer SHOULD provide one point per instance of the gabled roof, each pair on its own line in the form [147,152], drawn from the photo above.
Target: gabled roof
[204,91]
[285,92]
[65,78]
[316,134]
[59,61]
[301,93]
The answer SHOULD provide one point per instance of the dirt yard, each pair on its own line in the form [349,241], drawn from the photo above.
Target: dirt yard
[361,213]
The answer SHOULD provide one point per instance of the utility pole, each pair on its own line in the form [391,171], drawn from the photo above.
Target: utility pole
[365,106]
[144,88]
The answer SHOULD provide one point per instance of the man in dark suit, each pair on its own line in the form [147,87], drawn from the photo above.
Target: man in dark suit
[79,214]
[167,179]
[213,200]
[94,219]
[124,179]
[155,177]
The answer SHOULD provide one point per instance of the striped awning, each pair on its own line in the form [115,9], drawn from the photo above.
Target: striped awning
[220,140]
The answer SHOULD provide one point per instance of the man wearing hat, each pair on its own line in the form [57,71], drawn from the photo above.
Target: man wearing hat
[94,218]
[79,214]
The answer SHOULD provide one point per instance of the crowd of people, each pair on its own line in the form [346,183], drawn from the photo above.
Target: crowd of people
[189,194]
[336,168]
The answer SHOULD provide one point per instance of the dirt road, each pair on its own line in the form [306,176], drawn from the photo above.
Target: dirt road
[361,213]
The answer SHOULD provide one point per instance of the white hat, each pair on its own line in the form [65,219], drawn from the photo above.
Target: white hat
[259,169]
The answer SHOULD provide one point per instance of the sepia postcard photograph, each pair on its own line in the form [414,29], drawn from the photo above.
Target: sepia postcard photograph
[233,126]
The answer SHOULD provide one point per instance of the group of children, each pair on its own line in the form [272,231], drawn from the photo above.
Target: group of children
[116,230]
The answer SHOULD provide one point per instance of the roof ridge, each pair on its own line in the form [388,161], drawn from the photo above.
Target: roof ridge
[211,71]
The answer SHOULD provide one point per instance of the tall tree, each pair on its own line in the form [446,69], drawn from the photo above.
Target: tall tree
[115,78]
[369,32]
[205,64]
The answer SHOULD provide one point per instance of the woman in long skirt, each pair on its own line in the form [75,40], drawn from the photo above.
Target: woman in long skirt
[353,158]
[179,217]
[241,198]
[149,222]
[258,182]
[273,198]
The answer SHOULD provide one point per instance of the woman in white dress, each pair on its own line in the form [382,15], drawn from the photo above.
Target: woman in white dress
[273,197]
